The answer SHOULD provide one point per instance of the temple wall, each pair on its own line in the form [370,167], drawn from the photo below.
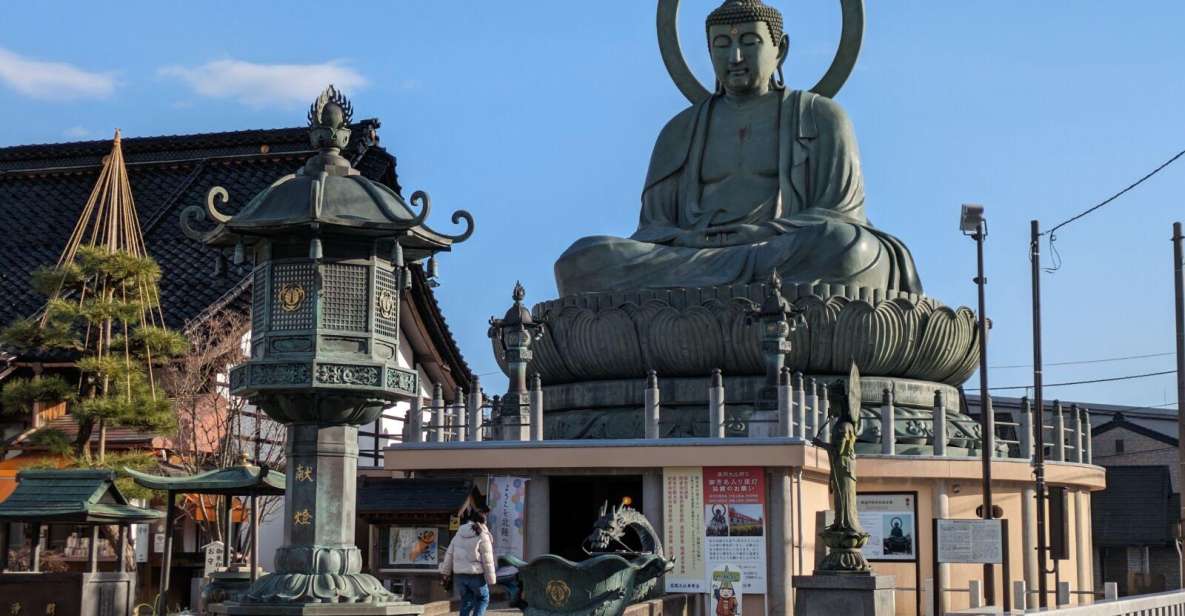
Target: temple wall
[940,483]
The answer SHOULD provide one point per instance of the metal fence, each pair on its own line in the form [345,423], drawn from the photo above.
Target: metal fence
[801,411]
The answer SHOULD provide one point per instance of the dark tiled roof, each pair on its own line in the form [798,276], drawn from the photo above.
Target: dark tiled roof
[44,187]
[384,495]
[1135,509]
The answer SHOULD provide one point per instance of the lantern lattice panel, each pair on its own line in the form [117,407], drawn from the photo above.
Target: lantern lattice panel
[344,297]
[386,284]
[259,299]
[292,305]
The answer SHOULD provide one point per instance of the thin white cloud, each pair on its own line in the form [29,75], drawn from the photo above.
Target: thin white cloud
[52,80]
[77,132]
[259,85]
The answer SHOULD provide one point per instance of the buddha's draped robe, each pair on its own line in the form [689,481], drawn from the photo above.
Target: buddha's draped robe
[820,230]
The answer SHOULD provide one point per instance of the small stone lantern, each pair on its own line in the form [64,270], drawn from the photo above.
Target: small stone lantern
[331,249]
[778,319]
[513,335]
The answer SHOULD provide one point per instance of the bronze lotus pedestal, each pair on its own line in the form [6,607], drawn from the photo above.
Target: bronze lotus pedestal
[330,249]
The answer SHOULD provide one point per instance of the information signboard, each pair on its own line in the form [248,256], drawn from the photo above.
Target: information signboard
[734,523]
[970,541]
[891,521]
[683,523]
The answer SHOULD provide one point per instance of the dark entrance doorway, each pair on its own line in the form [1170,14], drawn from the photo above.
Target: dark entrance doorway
[576,502]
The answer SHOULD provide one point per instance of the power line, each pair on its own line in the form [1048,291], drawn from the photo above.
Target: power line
[1087,382]
[1117,195]
[1087,361]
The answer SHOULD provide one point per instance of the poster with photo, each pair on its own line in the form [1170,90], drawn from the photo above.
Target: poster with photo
[890,519]
[734,523]
[413,546]
[682,514]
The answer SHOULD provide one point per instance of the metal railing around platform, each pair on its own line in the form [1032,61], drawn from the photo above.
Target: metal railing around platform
[800,411]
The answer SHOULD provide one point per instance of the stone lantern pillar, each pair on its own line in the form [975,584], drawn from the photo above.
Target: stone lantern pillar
[331,251]
[778,319]
[513,335]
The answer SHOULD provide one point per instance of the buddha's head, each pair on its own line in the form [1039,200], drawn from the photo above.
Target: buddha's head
[748,46]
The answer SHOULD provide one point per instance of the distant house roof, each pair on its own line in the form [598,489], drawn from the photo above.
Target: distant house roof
[44,187]
[1119,420]
[385,496]
[1135,509]
[71,497]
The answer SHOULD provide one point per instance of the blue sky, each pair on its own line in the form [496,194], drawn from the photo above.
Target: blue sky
[539,117]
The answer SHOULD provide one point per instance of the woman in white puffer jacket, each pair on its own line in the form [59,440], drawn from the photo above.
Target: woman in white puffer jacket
[470,558]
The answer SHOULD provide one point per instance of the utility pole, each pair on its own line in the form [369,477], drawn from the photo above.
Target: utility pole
[1179,287]
[1038,417]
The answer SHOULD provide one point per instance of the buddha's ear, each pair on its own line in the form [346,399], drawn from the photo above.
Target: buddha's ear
[783,49]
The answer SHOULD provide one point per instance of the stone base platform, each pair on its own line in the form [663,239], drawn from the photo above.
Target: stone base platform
[391,608]
[856,594]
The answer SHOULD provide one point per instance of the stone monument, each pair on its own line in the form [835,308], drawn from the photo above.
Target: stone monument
[331,249]
[754,181]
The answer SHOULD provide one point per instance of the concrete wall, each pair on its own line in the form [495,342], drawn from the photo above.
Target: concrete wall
[953,482]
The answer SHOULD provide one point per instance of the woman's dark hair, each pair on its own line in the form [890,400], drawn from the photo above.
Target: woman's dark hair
[476,517]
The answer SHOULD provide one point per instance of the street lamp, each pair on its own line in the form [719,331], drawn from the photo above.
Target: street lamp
[973,224]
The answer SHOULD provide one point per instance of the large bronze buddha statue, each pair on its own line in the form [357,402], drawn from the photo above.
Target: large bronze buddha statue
[755,179]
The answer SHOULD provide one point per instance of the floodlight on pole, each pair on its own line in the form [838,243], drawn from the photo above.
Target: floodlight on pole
[972,223]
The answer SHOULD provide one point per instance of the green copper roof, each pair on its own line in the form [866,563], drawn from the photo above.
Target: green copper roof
[241,480]
[71,497]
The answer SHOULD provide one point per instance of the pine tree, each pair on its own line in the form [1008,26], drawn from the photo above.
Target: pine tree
[104,309]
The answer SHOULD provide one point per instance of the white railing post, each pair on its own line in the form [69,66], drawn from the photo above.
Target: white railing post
[786,427]
[824,413]
[473,425]
[716,408]
[1020,595]
[813,401]
[653,405]
[536,408]
[1075,433]
[1087,435]
[1025,429]
[888,433]
[458,412]
[975,590]
[436,415]
[1059,432]
[939,424]
[415,420]
[798,404]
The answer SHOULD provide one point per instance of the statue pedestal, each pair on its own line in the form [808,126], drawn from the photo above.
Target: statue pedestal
[851,594]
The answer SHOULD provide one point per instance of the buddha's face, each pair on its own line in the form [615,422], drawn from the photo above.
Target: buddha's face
[745,56]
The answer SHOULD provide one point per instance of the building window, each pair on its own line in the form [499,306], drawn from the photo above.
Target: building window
[1118,445]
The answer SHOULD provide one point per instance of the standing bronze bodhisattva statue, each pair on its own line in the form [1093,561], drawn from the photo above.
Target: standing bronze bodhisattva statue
[844,536]
[755,179]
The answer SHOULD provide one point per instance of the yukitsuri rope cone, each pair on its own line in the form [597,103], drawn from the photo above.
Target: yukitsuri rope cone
[104,302]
